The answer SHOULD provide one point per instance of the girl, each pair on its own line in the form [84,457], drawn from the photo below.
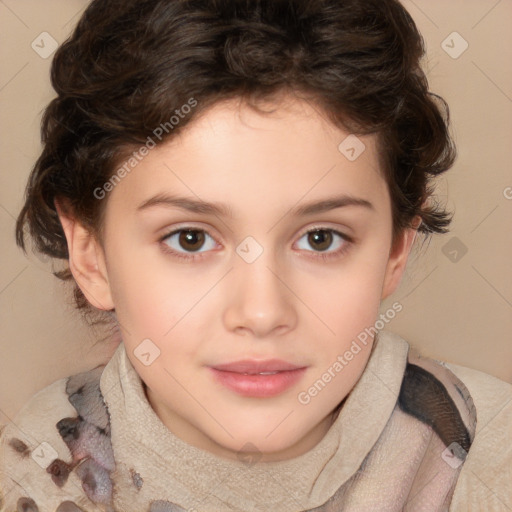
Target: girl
[237,185]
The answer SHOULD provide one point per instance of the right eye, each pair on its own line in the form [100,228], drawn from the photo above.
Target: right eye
[184,242]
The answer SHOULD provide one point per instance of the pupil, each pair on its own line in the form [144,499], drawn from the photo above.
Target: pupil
[322,238]
[191,238]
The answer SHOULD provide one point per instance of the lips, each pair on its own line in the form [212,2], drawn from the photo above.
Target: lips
[252,367]
[258,379]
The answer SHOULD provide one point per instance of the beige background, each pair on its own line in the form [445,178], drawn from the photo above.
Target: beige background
[457,306]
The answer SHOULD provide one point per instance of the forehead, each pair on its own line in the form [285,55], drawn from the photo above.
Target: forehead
[235,155]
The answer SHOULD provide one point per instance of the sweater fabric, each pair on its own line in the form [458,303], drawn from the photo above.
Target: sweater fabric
[413,434]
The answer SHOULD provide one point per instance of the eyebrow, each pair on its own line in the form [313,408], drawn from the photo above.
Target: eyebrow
[203,207]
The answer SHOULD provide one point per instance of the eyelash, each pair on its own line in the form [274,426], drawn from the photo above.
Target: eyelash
[325,256]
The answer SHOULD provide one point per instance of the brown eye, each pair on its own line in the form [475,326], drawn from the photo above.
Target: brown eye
[320,239]
[191,240]
[185,242]
[325,243]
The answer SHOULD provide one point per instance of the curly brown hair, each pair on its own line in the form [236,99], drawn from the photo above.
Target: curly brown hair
[129,64]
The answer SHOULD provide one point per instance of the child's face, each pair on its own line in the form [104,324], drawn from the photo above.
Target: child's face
[221,307]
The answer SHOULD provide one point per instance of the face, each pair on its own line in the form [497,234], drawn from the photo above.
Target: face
[248,238]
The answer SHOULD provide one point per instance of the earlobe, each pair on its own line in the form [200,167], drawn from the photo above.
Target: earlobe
[86,261]
[397,261]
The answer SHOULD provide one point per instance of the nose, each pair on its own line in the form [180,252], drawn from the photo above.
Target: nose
[260,302]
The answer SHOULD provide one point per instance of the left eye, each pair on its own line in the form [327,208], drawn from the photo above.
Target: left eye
[322,239]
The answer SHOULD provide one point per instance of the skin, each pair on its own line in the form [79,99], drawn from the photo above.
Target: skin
[289,303]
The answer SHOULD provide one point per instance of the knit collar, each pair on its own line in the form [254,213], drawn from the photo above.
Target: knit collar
[171,469]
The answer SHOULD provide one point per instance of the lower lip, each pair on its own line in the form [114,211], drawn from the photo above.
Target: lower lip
[260,386]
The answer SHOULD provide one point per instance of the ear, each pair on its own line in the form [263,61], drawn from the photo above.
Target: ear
[86,260]
[398,256]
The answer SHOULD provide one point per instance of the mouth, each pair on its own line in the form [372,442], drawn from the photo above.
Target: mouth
[253,367]
[258,379]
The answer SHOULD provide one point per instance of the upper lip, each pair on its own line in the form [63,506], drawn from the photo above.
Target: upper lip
[252,367]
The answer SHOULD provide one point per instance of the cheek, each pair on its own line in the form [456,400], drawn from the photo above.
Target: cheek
[161,303]
[149,295]
[346,300]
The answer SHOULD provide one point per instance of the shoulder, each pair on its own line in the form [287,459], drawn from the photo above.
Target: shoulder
[485,482]
[489,393]
[39,451]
